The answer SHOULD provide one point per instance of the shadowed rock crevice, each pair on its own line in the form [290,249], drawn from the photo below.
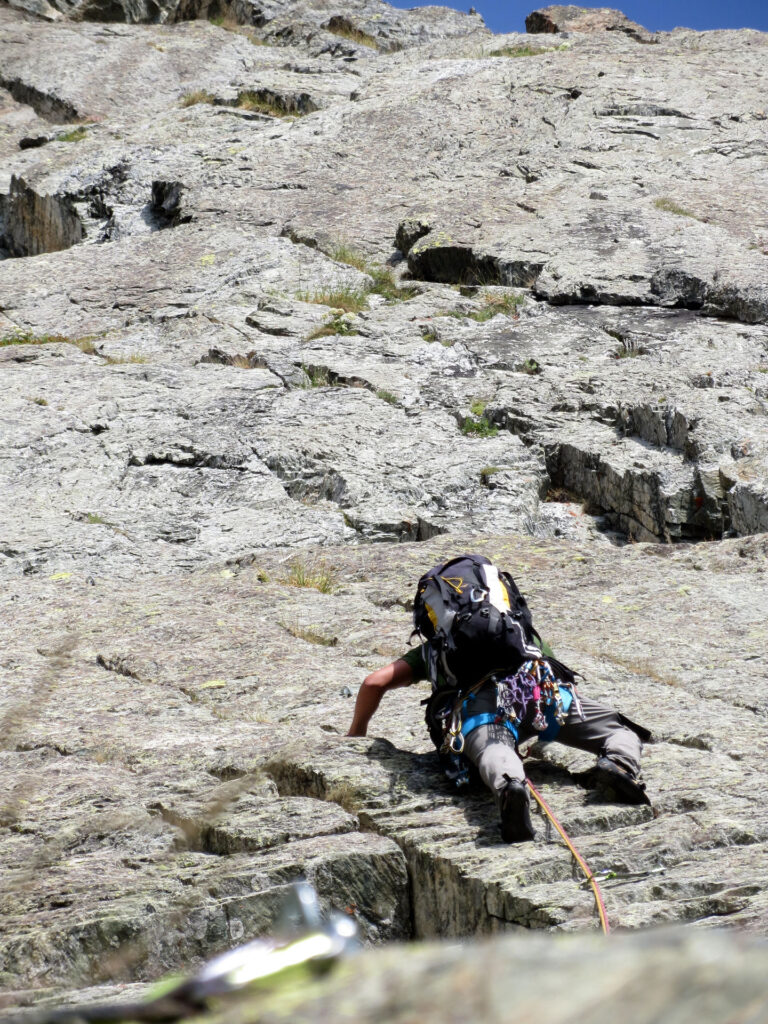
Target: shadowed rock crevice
[646,492]
[45,105]
[34,224]
[446,263]
[449,901]
[108,208]
[165,208]
[277,103]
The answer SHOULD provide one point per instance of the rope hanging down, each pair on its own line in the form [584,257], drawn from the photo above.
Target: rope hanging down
[588,875]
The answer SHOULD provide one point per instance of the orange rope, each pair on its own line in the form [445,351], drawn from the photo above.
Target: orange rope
[577,857]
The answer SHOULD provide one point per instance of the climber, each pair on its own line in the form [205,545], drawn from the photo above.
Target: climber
[496,684]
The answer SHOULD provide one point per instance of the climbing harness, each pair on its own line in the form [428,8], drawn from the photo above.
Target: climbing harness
[533,684]
[590,879]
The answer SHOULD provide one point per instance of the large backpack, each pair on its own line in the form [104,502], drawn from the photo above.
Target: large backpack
[475,621]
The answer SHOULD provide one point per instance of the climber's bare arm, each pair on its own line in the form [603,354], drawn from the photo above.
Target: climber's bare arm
[373,688]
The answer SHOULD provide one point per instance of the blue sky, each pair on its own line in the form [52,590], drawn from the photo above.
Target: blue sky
[509,15]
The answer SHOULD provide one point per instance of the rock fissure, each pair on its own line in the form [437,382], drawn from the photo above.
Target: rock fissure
[46,105]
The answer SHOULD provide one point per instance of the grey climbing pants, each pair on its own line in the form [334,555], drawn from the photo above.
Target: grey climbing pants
[602,732]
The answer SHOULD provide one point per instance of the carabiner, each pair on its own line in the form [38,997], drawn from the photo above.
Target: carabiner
[456,742]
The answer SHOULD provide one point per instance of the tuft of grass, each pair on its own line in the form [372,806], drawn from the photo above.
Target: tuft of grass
[479,427]
[40,401]
[316,574]
[319,376]
[429,335]
[384,284]
[478,406]
[345,298]
[519,51]
[386,396]
[530,366]
[74,135]
[22,337]
[335,323]
[27,337]
[493,304]
[262,103]
[84,344]
[383,279]
[190,99]
[95,519]
[627,350]
[135,357]
[345,29]
[346,796]
[344,253]
[670,206]
[487,472]
[310,634]
[562,495]
[500,302]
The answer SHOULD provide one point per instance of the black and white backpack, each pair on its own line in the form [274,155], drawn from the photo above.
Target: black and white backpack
[475,621]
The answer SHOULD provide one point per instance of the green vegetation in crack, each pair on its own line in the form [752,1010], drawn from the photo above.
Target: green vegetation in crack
[313,573]
[133,357]
[27,337]
[526,51]
[384,283]
[670,206]
[487,472]
[265,101]
[530,366]
[191,99]
[344,298]
[346,29]
[478,424]
[94,519]
[73,135]
[335,322]
[494,303]
[317,376]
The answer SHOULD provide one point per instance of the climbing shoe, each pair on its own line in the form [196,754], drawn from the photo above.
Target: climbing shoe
[609,775]
[516,824]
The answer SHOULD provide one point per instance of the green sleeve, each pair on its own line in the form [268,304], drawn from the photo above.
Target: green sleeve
[546,650]
[415,659]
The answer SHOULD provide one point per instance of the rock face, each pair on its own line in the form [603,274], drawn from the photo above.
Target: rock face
[570,18]
[291,307]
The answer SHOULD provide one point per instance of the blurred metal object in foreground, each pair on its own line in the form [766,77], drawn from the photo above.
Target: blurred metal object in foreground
[304,944]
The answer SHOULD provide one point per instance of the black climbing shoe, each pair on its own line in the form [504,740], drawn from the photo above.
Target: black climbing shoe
[628,790]
[516,824]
